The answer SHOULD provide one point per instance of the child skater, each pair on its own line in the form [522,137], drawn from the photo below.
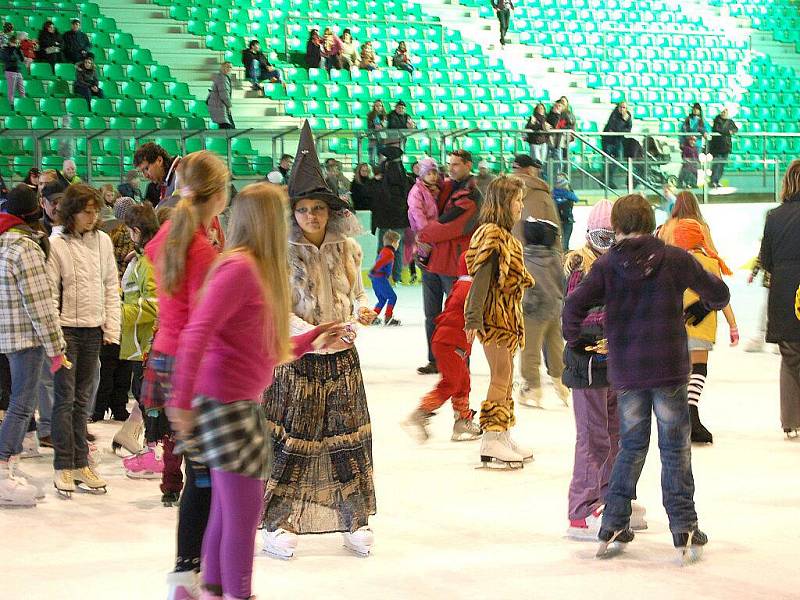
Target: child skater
[222,368]
[689,235]
[641,281]
[379,275]
[493,312]
[451,350]
[541,307]
[593,401]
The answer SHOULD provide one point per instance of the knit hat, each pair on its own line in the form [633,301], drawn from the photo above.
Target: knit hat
[306,180]
[462,265]
[689,235]
[600,216]
[22,202]
[540,232]
[426,165]
[122,207]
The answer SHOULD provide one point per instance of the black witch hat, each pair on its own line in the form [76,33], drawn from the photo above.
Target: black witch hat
[306,179]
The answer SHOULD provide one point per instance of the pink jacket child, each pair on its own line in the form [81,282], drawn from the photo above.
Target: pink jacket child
[422,204]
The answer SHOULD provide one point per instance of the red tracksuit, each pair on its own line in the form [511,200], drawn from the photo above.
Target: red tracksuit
[449,345]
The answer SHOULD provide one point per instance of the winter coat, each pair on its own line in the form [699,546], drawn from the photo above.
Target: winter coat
[565,199]
[706,330]
[27,316]
[52,42]
[641,281]
[780,257]
[366,194]
[397,121]
[616,124]
[722,144]
[450,323]
[84,281]
[390,209]
[126,189]
[537,203]
[326,282]
[537,124]
[562,120]
[313,55]
[483,182]
[86,77]
[543,301]
[139,309]
[76,45]
[12,58]
[448,240]
[422,208]
[28,48]
[219,99]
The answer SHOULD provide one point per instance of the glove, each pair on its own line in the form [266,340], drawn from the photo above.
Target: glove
[695,313]
[734,336]
[56,362]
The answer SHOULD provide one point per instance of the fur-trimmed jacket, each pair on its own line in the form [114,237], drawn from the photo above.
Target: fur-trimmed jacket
[326,281]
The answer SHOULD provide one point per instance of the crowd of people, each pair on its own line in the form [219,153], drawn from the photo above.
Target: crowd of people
[332,51]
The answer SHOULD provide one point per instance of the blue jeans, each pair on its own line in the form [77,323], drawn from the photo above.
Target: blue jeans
[45,401]
[434,288]
[671,408]
[93,393]
[26,366]
[397,268]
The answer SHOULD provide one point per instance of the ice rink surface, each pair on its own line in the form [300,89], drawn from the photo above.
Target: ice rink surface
[447,530]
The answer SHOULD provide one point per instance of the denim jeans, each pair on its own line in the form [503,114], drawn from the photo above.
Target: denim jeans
[434,288]
[397,267]
[718,167]
[45,401]
[671,408]
[73,388]
[25,366]
[95,387]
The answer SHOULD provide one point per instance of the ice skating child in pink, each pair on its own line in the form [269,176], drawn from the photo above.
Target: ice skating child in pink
[379,275]
[452,351]
[227,353]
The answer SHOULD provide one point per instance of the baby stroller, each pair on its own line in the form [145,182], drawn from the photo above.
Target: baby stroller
[658,159]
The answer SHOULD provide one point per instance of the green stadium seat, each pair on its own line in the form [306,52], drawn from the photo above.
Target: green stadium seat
[22,164]
[119,56]
[60,89]
[77,107]
[124,40]
[26,107]
[218,145]
[160,73]
[171,123]
[42,71]
[66,71]
[52,107]
[180,90]
[146,123]
[176,108]
[127,108]
[137,73]
[142,56]
[94,122]
[195,123]
[35,88]
[42,123]
[120,123]
[134,90]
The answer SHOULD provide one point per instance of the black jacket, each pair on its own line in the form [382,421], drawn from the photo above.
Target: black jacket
[366,194]
[12,58]
[722,144]
[780,257]
[76,45]
[390,207]
[48,40]
[313,55]
[126,189]
[616,124]
[396,121]
[86,77]
[248,56]
[536,124]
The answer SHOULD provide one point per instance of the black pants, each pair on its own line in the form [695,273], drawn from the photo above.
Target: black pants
[434,289]
[504,16]
[5,382]
[193,516]
[718,167]
[86,92]
[115,383]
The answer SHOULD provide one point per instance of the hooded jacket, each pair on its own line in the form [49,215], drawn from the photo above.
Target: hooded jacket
[780,256]
[139,309]
[543,301]
[641,281]
[722,144]
[537,203]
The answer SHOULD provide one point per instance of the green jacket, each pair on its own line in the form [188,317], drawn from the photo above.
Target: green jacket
[139,309]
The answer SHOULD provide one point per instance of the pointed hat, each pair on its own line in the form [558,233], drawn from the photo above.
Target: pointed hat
[306,179]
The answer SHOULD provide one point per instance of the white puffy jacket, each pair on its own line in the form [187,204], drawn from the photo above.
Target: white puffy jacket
[83,275]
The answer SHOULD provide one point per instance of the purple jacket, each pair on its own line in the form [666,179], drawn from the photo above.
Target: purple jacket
[422,207]
[641,282]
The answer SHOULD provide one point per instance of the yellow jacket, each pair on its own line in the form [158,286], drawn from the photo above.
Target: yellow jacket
[707,329]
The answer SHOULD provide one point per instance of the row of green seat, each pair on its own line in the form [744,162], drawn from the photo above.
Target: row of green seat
[103,107]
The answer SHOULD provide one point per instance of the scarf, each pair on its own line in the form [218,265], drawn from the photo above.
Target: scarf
[689,236]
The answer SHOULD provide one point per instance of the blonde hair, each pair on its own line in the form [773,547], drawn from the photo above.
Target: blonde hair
[687,207]
[791,182]
[258,226]
[109,188]
[496,207]
[203,175]
[390,237]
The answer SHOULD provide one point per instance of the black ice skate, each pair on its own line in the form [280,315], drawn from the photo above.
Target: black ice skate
[169,499]
[700,435]
[689,545]
[612,542]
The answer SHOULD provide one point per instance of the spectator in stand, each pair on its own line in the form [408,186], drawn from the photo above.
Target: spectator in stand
[332,50]
[13,60]
[86,82]
[537,140]
[565,200]
[721,145]
[157,166]
[313,50]
[694,123]
[336,180]
[349,50]
[109,196]
[285,166]
[50,45]
[32,179]
[484,177]
[560,117]
[8,31]
[402,59]
[257,66]
[369,59]
[376,121]
[399,119]
[365,189]
[76,43]
[503,10]
[390,209]
[28,47]
[3,189]
[691,160]
[620,121]
[131,186]
[68,173]
[220,94]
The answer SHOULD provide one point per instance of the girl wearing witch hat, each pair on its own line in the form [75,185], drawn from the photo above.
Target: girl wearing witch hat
[317,411]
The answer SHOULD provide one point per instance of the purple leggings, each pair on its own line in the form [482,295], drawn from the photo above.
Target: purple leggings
[236,505]
[596,447]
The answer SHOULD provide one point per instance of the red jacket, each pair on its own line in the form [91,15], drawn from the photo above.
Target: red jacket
[450,239]
[450,322]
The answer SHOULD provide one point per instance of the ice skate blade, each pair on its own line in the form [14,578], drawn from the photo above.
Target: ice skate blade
[64,494]
[82,487]
[609,549]
[530,404]
[9,505]
[468,438]
[581,535]
[414,432]
[359,552]
[489,462]
[142,475]
[278,555]
[688,555]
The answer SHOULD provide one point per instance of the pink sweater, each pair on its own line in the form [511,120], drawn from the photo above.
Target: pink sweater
[173,310]
[222,351]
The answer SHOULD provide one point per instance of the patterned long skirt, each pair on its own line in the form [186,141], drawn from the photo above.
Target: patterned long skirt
[322,439]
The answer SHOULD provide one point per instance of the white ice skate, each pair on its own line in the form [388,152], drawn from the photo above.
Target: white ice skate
[562,391]
[183,585]
[588,528]
[524,452]
[638,521]
[530,396]
[30,445]
[95,456]
[20,475]
[496,450]
[87,480]
[279,543]
[13,491]
[465,430]
[417,425]
[360,541]
[64,482]
[129,435]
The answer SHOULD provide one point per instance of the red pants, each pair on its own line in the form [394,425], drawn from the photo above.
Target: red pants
[453,381]
[171,477]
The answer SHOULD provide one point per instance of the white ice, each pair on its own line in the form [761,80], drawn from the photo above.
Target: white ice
[446,530]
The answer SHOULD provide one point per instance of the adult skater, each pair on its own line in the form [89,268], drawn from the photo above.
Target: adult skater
[493,313]
[31,335]
[83,280]
[317,408]
[780,248]
[221,370]
[648,363]
[182,254]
